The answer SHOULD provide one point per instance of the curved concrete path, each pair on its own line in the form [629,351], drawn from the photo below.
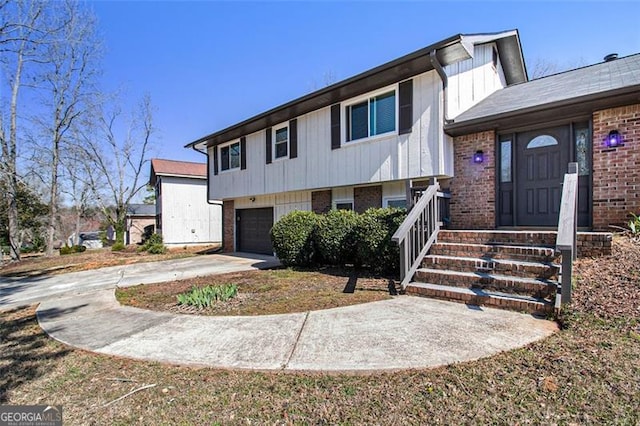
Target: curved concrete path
[404,332]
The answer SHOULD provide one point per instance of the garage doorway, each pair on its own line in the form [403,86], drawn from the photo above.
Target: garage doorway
[252,230]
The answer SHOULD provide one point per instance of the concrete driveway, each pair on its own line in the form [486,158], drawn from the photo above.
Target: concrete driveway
[404,332]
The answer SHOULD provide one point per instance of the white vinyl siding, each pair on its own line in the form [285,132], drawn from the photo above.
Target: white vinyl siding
[281,203]
[186,216]
[472,80]
[420,153]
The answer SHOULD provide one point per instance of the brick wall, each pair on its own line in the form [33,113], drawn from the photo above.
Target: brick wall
[616,171]
[228,222]
[321,201]
[473,185]
[367,197]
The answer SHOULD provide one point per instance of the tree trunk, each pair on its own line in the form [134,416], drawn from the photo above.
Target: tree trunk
[12,213]
[53,200]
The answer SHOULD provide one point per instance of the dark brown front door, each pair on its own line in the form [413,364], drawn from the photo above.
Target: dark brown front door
[252,230]
[541,162]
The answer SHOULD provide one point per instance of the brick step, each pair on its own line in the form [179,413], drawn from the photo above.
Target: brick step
[533,287]
[513,238]
[509,267]
[481,297]
[494,251]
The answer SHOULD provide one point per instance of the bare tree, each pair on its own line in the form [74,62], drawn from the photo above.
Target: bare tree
[22,32]
[76,186]
[68,82]
[119,153]
[543,67]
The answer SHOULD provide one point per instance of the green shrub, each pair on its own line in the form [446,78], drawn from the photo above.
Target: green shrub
[64,250]
[374,248]
[117,246]
[206,296]
[292,238]
[153,245]
[334,237]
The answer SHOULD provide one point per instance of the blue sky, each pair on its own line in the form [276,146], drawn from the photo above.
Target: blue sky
[208,65]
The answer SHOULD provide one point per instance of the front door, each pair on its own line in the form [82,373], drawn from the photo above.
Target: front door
[542,157]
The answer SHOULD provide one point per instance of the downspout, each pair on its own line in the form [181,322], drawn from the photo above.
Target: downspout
[445,81]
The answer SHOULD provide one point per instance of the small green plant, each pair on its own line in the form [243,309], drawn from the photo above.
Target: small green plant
[204,297]
[634,224]
[118,246]
[153,245]
[64,250]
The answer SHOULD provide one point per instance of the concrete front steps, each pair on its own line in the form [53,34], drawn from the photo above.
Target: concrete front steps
[516,270]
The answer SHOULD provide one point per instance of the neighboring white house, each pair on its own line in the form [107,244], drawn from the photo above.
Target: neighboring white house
[354,144]
[184,213]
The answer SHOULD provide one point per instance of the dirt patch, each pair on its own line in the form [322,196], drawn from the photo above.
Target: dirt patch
[265,292]
[38,265]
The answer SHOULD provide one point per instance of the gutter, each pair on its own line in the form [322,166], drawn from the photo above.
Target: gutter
[433,58]
[206,154]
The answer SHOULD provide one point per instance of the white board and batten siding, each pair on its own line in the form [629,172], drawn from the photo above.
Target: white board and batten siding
[187,218]
[424,152]
[282,203]
[472,80]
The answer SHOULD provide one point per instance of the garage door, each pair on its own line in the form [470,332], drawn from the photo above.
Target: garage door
[252,230]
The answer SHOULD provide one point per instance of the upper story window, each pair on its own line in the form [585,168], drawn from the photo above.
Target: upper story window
[373,116]
[281,145]
[230,156]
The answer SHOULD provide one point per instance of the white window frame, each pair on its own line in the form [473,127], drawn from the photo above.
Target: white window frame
[228,144]
[367,97]
[274,150]
[334,203]
[385,200]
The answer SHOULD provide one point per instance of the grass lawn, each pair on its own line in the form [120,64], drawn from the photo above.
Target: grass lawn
[588,373]
[265,292]
[32,265]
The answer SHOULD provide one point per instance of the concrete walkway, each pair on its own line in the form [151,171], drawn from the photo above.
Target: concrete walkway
[405,332]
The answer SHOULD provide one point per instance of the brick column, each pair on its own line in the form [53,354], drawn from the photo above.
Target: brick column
[616,171]
[473,187]
[367,197]
[321,201]
[228,226]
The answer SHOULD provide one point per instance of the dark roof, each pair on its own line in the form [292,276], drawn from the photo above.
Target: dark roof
[160,167]
[448,51]
[580,89]
[141,210]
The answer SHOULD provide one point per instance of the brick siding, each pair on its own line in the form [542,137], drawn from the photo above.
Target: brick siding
[228,222]
[473,185]
[321,201]
[616,171]
[367,197]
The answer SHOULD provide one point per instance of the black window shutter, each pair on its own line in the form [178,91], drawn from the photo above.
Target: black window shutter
[335,126]
[406,106]
[293,138]
[243,153]
[215,160]
[268,144]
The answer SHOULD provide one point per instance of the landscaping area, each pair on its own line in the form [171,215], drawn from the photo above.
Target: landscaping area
[588,373]
[266,292]
[32,265]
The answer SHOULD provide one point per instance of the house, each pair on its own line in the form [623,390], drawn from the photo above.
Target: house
[184,215]
[140,222]
[459,115]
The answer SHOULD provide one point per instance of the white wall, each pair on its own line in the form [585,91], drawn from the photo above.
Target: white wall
[282,203]
[472,80]
[187,218]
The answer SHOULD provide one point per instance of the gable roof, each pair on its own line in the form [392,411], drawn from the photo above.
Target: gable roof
[603,85]
[448,51]
[141,210]
[160,167]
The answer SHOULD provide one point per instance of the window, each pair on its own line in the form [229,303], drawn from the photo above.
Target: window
[398,203]
[371,117]
[281,145]
[344,205]
[582,139]
[505,161]
[230,156]
[542,141]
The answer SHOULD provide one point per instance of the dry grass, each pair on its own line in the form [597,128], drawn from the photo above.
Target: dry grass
[266,292]
[92,259]
[588,373]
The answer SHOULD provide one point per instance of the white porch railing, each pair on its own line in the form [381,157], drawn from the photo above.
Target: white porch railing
[418,232]
[568,232]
